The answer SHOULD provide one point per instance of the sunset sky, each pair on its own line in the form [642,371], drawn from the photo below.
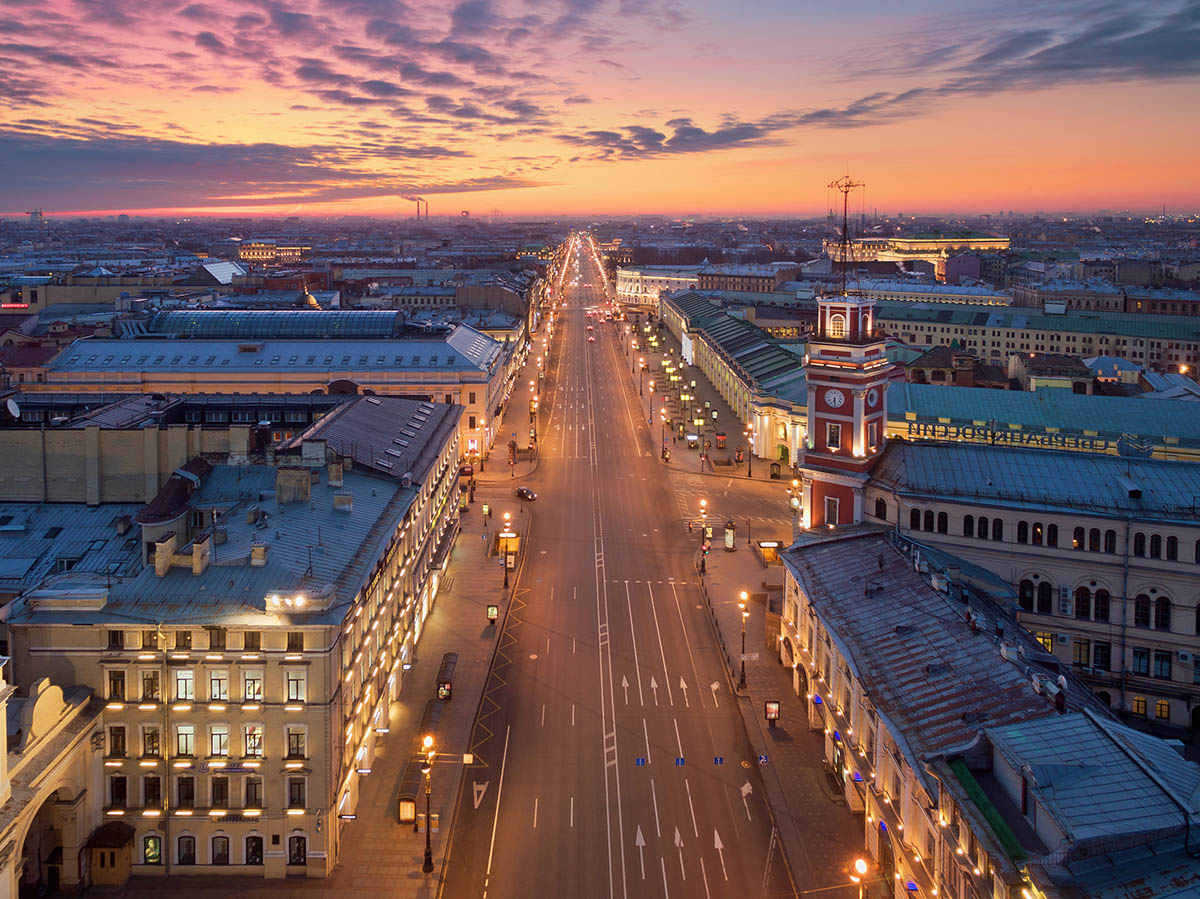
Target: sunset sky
[544,107]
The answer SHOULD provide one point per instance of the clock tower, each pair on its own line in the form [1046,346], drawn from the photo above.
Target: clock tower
[847,374]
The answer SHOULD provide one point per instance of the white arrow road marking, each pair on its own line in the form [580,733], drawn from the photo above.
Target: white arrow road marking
[720,847]
[625,687]
[654,688]
[479,789]
[683,687]
[715,686]
[679,846]
[746,791]
[640,842]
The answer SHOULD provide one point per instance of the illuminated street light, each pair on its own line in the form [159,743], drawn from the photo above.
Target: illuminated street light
[427,770]
[745,614]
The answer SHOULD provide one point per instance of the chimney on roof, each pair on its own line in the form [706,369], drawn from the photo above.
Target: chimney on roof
[312,453]
[292,485]
[123,524]
[335,474]
[201,553]
[343,501]
[164,552]
[258,554]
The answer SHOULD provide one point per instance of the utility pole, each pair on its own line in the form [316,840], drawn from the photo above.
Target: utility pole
[845,184]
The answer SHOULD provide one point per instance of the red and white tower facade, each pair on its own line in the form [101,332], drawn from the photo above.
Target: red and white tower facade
[847,374]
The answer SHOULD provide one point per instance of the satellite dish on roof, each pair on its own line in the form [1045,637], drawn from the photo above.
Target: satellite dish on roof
[10,406]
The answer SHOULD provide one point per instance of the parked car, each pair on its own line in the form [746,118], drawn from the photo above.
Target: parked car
[466,471]
[525,493]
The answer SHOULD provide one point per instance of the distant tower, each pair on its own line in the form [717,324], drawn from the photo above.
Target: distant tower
[847,374]
[36,219]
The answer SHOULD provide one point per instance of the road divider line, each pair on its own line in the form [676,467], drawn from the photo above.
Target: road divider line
[535,811]
[691,808]
[499,791]
[654,802]
[646,734]
[661,652]
[688,643]
[633,639]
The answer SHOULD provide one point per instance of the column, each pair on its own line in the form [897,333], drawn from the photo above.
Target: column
[860,428]
[805,501]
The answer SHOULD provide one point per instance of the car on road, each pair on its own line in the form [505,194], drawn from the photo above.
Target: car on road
[591,339]
[465,471]
[525,493]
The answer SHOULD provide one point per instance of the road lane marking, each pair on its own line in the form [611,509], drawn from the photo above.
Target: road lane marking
[633,635]
[640,842]
[535,810]
[499,791]
[678,742]
[663,862]
[654,802]
[691,807]
[572,714]
[688,643]
[679,846]
[704,877]
[572,811]
[646,734]
[543,714]
[661,652]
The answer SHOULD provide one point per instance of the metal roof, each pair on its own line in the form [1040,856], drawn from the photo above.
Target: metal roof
[277,323]
[34,537]
[1042,479]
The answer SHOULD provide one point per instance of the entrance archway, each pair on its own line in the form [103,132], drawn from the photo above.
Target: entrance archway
[42,852]
[784,453]
[342,387]
[887,856]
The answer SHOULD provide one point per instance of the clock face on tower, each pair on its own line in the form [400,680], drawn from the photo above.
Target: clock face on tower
[834,398]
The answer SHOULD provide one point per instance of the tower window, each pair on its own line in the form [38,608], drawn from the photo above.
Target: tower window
[837,326]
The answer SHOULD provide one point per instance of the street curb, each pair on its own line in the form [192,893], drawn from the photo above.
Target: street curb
[441,880]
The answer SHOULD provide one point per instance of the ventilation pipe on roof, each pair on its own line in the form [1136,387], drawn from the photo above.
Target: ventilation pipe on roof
[201,553]
[343,501]
[335,474]
[258,554]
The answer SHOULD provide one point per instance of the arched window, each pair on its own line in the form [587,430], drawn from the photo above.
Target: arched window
[1141,610]
[1139,544]
[1022,531]
[187,850]
[1037,533]
[927,521]
[1100,602]
[1083,603]
[881,509]
[1156,546]
[837,326]
[1045,598]
[1162,614]
[1077,541]
[968,525]
[254,850]
[297,850]
[1094,540]
[914,519]
[983,527]
[866,324]
[1110,541]
[220,850]
[1172,549]
[152,850]
[997,529]
[943,523]
[1025,596]
[1052,535]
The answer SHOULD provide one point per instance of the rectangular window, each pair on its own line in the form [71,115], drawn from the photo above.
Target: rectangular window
[185,739]
[296,792]
[150,741]
[1162,664]
[471,397]
[872,434]
[295,641]
[183,639]
[1196,669]
[831,510]
[1046,639]
[833,436]
[1141,661]
[116,739]
[1162,710]
[1138,705]
[116,639]
[252,684]
[218,740]
[185,685]
[1081,652]
[252,641]
[220,791]
[216,637]
[296,742]
[117,791]
[218,684]
[116,685]
[296,683]
[254,792]
[471,422]
[1102,656]
[185,791]
[254,740]
[149,639]
[150,686]
[152,790]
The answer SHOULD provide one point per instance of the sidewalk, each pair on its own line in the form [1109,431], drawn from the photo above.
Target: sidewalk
[379,855]
[727,421]
[820,836]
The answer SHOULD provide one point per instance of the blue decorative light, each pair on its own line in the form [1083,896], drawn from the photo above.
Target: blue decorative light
[816,699]
[912,886]
[858,777]
[836,736]
[883,826]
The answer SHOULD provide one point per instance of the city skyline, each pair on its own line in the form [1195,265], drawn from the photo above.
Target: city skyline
[332,108]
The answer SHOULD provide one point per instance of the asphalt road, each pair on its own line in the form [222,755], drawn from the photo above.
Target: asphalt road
[611,760]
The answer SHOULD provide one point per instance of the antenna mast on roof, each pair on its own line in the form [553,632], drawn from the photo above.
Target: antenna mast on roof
[845,184]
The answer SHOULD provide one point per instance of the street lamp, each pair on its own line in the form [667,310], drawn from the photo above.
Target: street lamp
[859,871]
[745,614]
[427,770]
[662,427]
[641,368]
[703,537]
[507,522]
[749,452]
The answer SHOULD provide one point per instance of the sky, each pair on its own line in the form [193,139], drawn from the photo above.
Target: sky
[607,107]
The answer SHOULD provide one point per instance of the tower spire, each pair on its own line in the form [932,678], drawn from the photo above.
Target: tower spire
[845,184]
